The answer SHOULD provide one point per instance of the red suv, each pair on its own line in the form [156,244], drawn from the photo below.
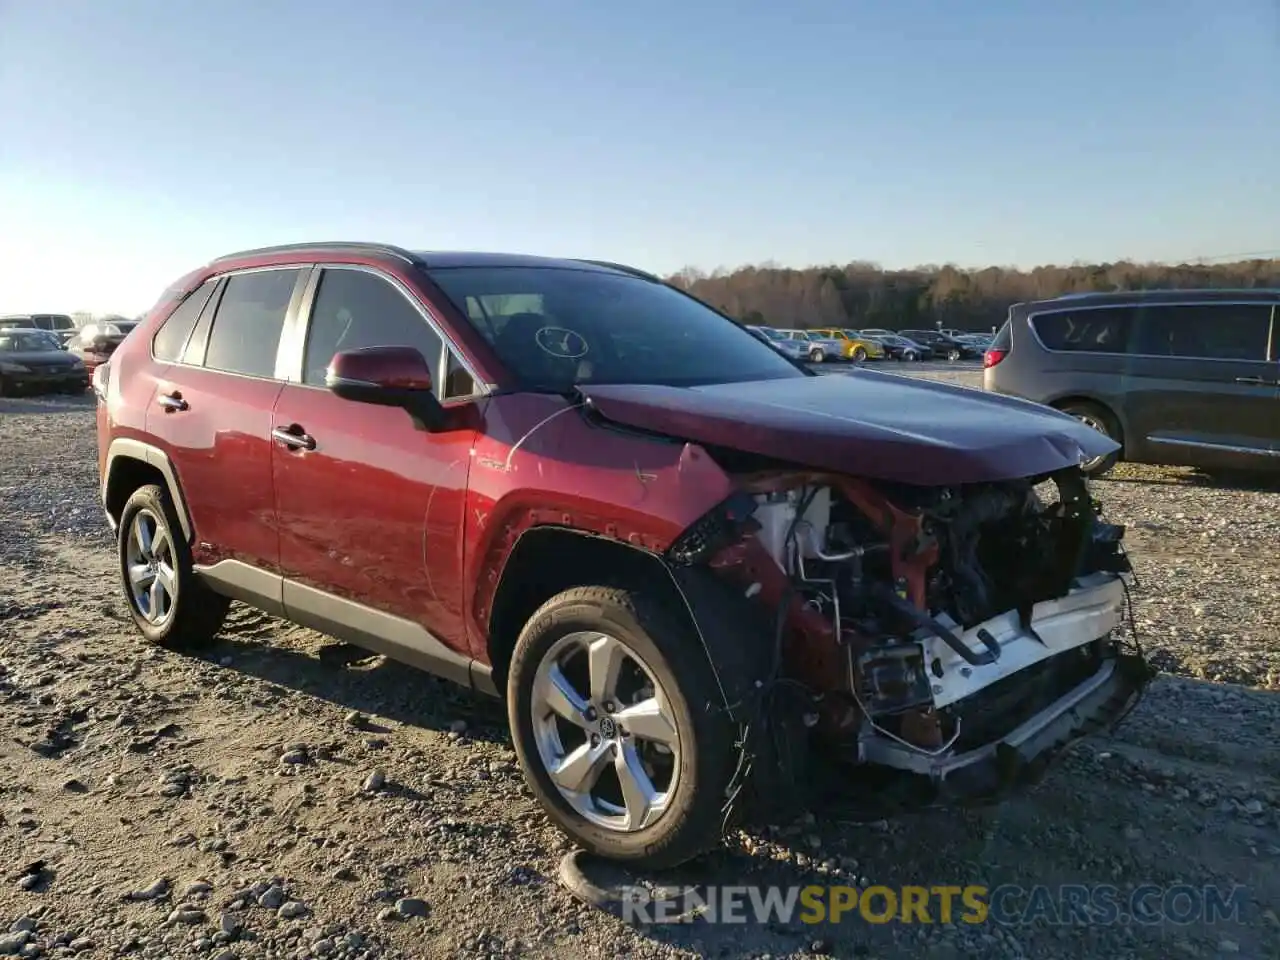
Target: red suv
[689,565]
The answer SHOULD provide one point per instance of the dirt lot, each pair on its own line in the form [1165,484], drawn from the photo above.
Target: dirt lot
[278,798]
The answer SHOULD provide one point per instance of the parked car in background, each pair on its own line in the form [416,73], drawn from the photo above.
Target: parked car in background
[801,350]
[854,346]
[33,360]
[1180,377]
[572,485]
[95,342]
[820,348]
[59,324]
[900,348]
[943,345]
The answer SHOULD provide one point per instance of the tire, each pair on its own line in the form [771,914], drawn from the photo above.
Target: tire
[1101,420]
[911,356]
[693,774]
[953,354]
[859,354]
[817,355]
[193,614]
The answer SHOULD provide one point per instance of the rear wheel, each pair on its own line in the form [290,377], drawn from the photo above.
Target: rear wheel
[1101,420]
[611,705]
[168,604]
[817,355]
[953,354]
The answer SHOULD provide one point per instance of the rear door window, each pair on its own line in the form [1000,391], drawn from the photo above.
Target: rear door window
[1101,330]
[246,328]
[1208,331]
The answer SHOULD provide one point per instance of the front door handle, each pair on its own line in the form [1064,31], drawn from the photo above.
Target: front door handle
[1255,381]
[293,437]
[172,402]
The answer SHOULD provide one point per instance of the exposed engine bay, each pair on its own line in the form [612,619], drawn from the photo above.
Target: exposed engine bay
[936,627]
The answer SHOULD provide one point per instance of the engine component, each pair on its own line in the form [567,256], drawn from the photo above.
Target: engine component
[779,517]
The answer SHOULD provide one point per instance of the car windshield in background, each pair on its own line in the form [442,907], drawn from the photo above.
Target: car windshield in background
[27,342]
[771,333]
[557,327]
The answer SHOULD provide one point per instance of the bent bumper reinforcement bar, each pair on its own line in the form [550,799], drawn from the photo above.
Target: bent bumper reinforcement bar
[1022,754]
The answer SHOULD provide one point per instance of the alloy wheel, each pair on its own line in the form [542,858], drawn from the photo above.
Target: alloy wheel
[605,732]
[150,567]
[1090,420]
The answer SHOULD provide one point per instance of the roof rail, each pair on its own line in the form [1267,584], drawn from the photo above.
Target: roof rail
[623,268]
[382,249]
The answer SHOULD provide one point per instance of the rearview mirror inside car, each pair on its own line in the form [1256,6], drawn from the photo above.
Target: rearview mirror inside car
[388,377]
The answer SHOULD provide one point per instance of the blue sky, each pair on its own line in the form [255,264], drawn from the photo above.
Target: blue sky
[139,138]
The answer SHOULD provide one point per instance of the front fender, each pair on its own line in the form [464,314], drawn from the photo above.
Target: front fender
[542,461]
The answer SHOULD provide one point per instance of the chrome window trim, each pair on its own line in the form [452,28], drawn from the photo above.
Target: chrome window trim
[447,343]
[1271,333]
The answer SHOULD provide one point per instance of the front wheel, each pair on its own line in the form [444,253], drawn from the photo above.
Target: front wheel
[1100,420]
[911,356]
[611,704]
[859,354]
[953,354]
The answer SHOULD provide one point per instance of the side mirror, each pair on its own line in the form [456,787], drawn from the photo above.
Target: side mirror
[388,377]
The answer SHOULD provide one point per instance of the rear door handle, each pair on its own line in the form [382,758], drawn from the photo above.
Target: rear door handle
[1255,381]
[172,402]
[294,438]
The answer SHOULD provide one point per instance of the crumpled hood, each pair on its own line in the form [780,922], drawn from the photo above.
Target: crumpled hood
[865,423]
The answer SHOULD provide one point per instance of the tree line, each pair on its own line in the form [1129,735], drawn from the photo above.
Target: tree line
[862,294]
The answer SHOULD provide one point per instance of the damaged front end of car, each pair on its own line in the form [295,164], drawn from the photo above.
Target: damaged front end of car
[950,641]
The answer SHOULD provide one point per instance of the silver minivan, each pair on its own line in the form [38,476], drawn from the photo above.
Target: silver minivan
[1178,377]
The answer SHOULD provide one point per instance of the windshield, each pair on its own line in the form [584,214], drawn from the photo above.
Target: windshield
[26,342]
[771,333]
[555,328]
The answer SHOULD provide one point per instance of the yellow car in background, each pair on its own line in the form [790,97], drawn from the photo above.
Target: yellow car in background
[855,346]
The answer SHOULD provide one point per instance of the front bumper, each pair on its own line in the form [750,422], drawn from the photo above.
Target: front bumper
[61,380]
[1044,658]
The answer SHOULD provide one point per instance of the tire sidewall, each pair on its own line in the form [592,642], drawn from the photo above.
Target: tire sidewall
[859,354]
[703,748]
[156,501]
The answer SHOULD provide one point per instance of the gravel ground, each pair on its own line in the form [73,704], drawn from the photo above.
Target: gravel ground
[282,797]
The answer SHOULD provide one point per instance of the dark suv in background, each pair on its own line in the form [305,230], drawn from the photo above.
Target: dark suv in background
[1179,377]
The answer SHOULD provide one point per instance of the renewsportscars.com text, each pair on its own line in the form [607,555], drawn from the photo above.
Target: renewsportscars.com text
[1008,905]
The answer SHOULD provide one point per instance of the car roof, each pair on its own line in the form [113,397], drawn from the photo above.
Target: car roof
[1119,298]
[24,330]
